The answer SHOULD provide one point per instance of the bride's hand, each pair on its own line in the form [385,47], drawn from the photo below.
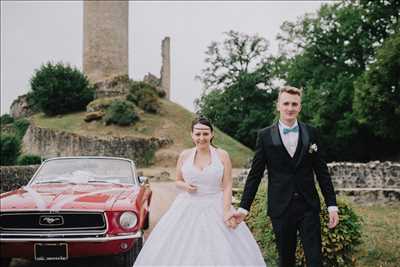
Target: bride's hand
[191,188]
[231,223]
[230,220]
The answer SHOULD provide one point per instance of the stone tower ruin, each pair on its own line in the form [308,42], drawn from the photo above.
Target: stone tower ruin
[105,41]
[165,74]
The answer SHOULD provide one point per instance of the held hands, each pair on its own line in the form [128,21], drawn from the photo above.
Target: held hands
[239,217]
[229,219]
[233,218]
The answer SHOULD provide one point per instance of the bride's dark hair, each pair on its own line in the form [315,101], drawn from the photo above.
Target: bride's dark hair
[205,121]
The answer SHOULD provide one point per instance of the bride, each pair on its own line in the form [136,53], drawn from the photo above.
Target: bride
[200,229]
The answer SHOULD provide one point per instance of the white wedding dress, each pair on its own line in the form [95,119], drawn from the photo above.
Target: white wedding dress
[192,232]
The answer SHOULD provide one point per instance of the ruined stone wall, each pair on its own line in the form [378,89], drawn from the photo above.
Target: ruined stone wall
[51,143]
[373,182]
[166,67]
[116,86]
[20,107]
[374,174]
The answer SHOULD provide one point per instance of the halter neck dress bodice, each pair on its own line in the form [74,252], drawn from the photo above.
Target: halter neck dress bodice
[209,179]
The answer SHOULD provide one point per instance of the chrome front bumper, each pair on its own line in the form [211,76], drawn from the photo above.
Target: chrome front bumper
[138,234]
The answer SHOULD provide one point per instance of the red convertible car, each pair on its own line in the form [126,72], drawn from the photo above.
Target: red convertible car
[76,207]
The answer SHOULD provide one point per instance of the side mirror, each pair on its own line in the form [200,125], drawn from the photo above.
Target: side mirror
[143,180]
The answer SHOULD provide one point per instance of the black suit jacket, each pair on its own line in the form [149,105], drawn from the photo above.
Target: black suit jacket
[287,175]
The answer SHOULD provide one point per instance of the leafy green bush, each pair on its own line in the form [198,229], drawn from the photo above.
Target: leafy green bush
[10,147]
[338,244]
[21,125]
[144,96]
[161,94]
[101,104]
[59,89]
[29,159]
[32,104]
[149,156]
[121,112]
[6,119]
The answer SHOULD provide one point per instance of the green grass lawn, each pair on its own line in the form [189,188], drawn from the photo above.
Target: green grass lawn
[380,245]
[381,236]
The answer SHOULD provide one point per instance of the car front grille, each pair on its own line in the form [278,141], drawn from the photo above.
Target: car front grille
[52,223]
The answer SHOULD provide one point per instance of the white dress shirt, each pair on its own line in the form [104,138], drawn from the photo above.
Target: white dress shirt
[290,139]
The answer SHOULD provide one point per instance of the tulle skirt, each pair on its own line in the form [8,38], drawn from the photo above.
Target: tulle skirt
[192,233]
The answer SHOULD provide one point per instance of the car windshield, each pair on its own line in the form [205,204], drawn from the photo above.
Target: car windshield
[86,170]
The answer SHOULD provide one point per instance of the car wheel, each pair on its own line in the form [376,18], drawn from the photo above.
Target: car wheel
[128,258]
[5,262]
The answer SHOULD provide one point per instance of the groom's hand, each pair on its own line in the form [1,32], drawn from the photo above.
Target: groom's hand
[333,219]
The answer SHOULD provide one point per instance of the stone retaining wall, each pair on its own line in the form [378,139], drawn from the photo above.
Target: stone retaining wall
[51,143]
[374,174]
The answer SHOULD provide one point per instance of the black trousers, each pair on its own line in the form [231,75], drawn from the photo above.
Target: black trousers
[299,216]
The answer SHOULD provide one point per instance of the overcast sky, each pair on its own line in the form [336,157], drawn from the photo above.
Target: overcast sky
[35,32]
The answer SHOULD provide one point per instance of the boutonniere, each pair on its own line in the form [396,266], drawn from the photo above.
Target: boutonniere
[313,148]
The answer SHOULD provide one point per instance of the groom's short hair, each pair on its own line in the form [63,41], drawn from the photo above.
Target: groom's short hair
[290,90]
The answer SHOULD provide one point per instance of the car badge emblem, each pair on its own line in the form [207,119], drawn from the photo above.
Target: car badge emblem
[51,220]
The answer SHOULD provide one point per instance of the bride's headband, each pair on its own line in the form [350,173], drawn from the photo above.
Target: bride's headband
[202,128]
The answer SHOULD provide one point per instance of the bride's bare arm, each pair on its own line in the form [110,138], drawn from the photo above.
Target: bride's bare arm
[226,180]
[180,182]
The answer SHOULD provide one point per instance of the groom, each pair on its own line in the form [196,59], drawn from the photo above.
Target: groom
[290,151]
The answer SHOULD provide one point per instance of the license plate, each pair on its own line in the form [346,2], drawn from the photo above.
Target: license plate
[51,251]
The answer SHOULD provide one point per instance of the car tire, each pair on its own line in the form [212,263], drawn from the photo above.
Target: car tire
[5,262]
[128,258]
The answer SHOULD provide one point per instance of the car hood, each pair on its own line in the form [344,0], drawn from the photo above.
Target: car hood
[65,197]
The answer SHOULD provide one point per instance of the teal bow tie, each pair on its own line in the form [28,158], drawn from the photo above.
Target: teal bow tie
[293,130]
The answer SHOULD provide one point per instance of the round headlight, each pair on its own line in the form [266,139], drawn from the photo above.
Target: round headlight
[128,219]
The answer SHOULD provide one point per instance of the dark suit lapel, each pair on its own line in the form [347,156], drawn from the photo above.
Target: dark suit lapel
[305,139]
[276,139]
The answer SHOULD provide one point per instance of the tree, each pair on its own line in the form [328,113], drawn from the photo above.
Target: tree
[239,54]
[238,96]
[59,89]
[6,119]
[324,54]
[240,110]
[377,94]
[10,147]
